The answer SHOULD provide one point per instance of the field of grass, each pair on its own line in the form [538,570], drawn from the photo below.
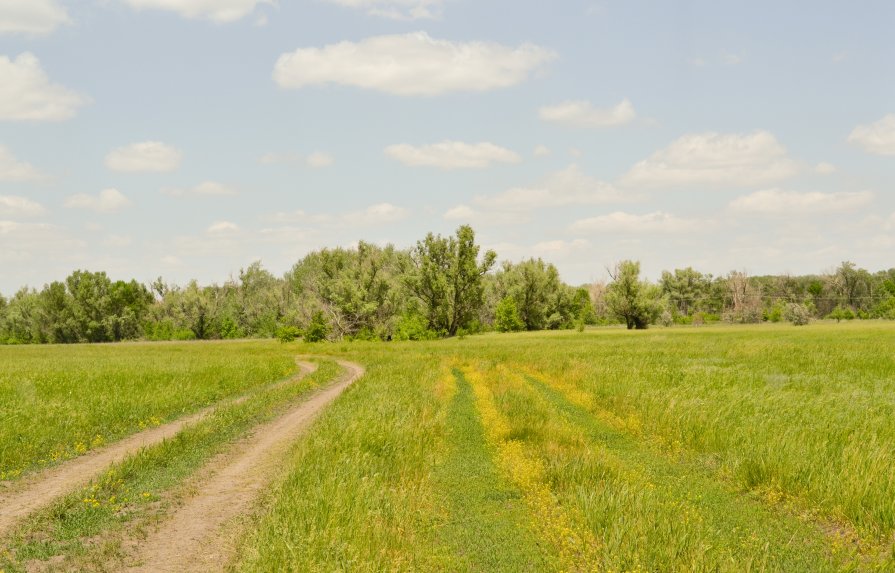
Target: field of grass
[767,448]
[58,402]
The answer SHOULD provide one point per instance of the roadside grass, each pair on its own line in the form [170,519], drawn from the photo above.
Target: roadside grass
[59,402]
[93,528]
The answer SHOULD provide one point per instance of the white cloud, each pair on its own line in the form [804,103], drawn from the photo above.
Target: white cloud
[791,203]
[378,214]
[26,93]
[713,159]
[569,186]
[221,11]
[541,151]
[206,188]
[319,159]
[118,241]
[106,201]
[469,215]
[316,160]
[36,17]
[411,65]
[11,169]
[222,227]
[30,242]
[824,168]
[452,155]
[584,114]
[13,206]
[629,223]
[148,156]
[559,248]
[731,59]
[877,138]
[396,9]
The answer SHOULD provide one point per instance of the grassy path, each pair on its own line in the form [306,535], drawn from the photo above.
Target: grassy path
[488,524]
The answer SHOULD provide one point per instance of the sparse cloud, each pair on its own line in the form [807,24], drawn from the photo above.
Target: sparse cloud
[792,203]
[27,94]
[411,65]
[106,201]
[713,159]
[583,114]
[31,17]
[31,242]
[220,11]
[11,169]
[464,214]
[452,155]
[541,151]
[14,206]
[222,227]
[146,157]
[824,168]
[396,9]
[877,138]
[569,186]
[315,160]
[378,214]
[205,189]
[630,223]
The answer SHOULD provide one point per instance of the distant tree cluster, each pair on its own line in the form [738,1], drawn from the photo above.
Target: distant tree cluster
[443,286]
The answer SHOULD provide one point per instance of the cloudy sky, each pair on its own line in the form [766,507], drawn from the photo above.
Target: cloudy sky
[187,138]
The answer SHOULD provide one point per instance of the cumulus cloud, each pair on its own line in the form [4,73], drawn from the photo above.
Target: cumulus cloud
[221,11]
[452,155]
[11,169]
[713,159]
[824,168]
[206,189]
[316,160]
[396,9]
[541,151]
[28,242]
[470,215]
[148,156]
[569,186]
[106,201]
[378,214]
[630,223]
[877,138]
[790,203]
[27,94]
[411,65]
[13,206]
[33,17]
[222,227]
[584,114]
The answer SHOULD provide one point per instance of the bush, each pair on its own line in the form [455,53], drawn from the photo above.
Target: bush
[317,329]
[288,334]
[412,326]
[797,314]
[841,313]
[666,318]
[507,317]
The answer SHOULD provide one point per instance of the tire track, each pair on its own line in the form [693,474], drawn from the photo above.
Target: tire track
[40,490]
[195,537]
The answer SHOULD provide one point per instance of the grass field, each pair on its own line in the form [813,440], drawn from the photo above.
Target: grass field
[764,448]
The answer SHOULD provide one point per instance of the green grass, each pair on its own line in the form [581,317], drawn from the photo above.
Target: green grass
[57,402]
[88,528]
[766,448]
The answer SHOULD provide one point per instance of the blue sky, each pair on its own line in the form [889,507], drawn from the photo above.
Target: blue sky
[187,138]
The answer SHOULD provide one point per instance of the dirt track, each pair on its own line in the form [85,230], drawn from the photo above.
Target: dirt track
[40,490]
[195,537]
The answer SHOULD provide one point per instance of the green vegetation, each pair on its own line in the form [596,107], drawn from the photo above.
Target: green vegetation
[59,402]
[724,448]
[442,287]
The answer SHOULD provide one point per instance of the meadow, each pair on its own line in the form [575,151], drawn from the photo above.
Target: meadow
[765,448]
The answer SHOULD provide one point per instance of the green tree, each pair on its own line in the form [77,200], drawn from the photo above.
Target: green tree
[631,300]
[507,317]
[445,275]
[685,289]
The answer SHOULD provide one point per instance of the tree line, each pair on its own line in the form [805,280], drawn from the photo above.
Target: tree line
[441,287]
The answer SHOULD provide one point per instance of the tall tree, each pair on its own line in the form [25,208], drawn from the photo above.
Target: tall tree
[445,274]
[634,302]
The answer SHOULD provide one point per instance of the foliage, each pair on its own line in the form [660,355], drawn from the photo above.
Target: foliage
[288,334]
[317,329]
[797,314]
[633,301]
[507,318]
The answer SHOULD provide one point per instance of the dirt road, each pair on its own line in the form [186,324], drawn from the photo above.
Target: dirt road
[196,537]
[35,492]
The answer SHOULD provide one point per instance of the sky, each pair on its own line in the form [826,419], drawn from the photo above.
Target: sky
[188,138]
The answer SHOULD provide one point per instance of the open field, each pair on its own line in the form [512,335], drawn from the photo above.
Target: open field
[716,449]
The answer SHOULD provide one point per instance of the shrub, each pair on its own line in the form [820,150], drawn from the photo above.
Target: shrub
[287,334]
[797,314]
[412,326]
[666,318]
[507,317]
[317,329]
